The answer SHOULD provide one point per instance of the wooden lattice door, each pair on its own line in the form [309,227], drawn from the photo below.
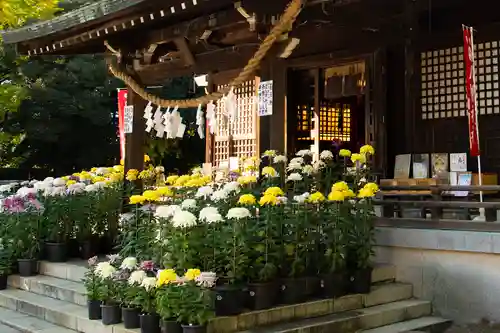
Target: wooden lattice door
[238,138]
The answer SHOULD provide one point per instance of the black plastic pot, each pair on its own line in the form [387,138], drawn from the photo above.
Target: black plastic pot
[313,287]
[194,329]
[73,248]
[229,300]
[56,252]
[87,249]
[94,309]
[3,282]
[262,295]
[27,267]
[130,317]
[334,284]
[111,314]
[293,290]
[170,326]
[150,323]
[361,281]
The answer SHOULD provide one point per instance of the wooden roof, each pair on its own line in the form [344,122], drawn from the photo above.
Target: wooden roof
[83,30]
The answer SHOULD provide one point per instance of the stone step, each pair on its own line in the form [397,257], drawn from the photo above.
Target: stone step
[18,322]
[75,270]
[353,321]
[424,324]
[61,313]
[64,290]
[74,316]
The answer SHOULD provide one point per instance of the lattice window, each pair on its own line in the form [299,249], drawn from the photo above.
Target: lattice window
[443,81]
[334,121]
[304,118]
[243,131]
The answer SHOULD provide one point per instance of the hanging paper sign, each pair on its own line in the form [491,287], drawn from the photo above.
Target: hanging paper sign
[180,130]
[265,95]
[122,102]
[470,87]
[128,119]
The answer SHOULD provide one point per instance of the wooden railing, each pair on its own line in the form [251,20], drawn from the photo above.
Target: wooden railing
[435,206]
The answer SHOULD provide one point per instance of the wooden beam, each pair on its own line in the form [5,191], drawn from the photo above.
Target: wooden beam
[186,53]
[214,61]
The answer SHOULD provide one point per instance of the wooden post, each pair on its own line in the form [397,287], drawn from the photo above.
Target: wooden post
[134,142]
[278,119]
[411,25]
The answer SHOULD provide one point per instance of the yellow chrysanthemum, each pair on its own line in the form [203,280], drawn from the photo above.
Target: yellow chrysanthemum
[367,150]
[132,174]
[116,177]
[340,186]
[358,158]
[122,162]
[192,274]
[84,176]
[147,158]
[150,195]
[172,179]
[166,276]
[98,179]
[269,171]
[268,199]
[182,180]
[244,180]
[94,169]
[349,194]
[336,196]
[199,182]
[270,153]
[344,153]
[65,178]
[365,193]
[207,179]
[372,187]
[247,199]
[136,199]
[118,168]
[274,191]
[146,174]
[70,182]
[316,197]
[165,191]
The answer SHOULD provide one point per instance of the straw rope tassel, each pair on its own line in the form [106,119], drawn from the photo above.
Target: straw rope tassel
[289,16]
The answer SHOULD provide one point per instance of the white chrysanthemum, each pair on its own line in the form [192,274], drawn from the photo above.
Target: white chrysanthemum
[42,186]
[6,188]
[308,169]
[91,188]
[219,195]
[49,180]
[238,213]
[232,187]
[304,152]
[280,159]
[197,171]
[204,192]
[101,185]
[294,166]
[76,188]
[269,153]
[294,177]
[25,183]
[33,182]
[188,204]
[160,169]
[59,182]
[101,171]
[129,263]
[282,200]
[125,218]
[166,212]
[318,165]
[148,283]
[301,198]
[183,219]
[54,191]
[210,215]
[207,279]
[326,155]
[105,269]
[297,160]
[24,191]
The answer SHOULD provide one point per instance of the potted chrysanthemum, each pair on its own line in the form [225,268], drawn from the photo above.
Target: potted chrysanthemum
[168,300]
[145,299]
[108,293]
[92,283]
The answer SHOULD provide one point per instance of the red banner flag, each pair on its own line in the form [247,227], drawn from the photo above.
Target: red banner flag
[470,86]
[122,103]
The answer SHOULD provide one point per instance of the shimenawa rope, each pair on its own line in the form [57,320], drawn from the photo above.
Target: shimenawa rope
[289,16]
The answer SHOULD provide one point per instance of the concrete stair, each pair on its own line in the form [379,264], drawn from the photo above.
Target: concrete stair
[423,324]
[55,302]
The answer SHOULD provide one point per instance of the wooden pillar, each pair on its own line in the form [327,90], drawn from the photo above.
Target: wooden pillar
[411,79]
[273,128]
[134,142]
